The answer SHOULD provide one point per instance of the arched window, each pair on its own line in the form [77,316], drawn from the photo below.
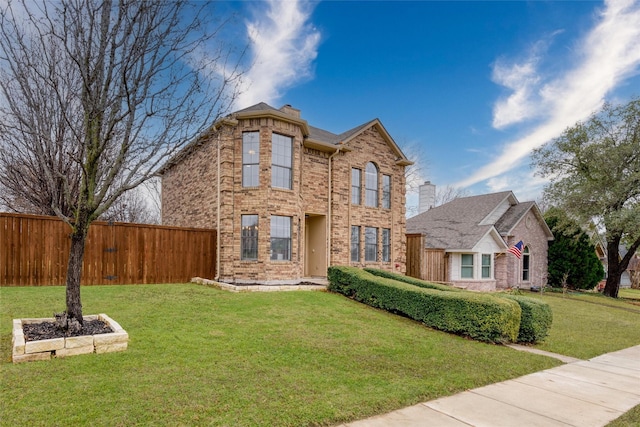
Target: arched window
[371,185]
[526,260]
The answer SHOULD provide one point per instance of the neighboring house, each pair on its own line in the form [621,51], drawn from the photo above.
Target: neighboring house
[288,199]
[474,234]
[630,278]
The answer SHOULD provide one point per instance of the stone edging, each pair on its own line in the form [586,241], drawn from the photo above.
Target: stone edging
[257,287]
[30,351]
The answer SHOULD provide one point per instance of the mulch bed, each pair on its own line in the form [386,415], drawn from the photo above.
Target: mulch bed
[51,330]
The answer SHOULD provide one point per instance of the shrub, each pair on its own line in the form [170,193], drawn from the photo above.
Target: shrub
[536,318]
[411,280]
[479,316]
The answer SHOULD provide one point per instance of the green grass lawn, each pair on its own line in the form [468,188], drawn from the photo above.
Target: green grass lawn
[587,325]
[200,356]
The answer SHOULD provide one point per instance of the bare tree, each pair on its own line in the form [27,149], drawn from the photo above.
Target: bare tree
[96,94]
[132,206]
[414,174]
[448,193]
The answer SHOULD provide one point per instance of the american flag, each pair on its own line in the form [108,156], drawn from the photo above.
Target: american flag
[517,249]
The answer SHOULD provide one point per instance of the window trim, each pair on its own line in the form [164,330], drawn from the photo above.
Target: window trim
[246,163]
[253,239]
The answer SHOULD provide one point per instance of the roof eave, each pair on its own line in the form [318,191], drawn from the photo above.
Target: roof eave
[275,114]
[324,146]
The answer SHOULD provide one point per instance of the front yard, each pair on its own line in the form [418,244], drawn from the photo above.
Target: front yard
[200,356]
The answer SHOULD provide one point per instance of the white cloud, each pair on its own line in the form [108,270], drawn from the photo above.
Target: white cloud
[522,79]
[283,46]
[607,55]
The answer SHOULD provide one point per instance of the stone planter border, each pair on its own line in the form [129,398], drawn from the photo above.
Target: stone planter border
[30,351]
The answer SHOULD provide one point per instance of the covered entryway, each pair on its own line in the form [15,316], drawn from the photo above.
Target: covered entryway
[315,237]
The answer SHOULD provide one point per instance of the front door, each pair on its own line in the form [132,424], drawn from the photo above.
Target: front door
[316,246]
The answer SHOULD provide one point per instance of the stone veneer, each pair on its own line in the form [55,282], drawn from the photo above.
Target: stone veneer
[29,351]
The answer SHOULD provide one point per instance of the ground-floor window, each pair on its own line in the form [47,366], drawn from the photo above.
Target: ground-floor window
[280,238]
[466,266]
[486,266]
[386,245]
[525,264]
[249,238]
[355,243]
[370,244]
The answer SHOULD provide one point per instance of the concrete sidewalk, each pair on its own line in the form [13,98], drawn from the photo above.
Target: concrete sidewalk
[581,393]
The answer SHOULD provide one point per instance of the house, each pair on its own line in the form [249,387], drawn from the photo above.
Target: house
[289,199]
[467,242]
[630,278]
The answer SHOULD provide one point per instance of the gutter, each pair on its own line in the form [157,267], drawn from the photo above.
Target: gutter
[217,277]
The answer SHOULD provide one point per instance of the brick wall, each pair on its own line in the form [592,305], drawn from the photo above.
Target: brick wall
[532,234]
[190,192]
[369,146]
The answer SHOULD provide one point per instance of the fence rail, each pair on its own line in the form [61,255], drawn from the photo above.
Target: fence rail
[34,251]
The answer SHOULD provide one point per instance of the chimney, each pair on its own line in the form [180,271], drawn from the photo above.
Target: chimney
[426,196]
[288,109]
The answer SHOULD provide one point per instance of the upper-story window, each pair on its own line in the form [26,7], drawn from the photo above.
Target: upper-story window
[371,185]
[281,161]
[250,159]
[356,186]
[386,191]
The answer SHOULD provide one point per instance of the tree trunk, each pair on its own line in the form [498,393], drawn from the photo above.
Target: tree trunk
[614,269]
[74,270]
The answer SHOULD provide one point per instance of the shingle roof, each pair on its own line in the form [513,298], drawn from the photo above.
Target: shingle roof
[316,134]
[261,106]
[509,220]
[323,135]
[455,225]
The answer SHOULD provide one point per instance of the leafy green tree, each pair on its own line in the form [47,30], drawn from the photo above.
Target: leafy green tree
[594,173]
[571,254]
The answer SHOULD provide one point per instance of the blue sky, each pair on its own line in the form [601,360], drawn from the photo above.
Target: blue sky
[469,87]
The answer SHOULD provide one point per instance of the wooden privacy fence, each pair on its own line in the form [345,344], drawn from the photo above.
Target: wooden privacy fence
[425,263]
[34,251]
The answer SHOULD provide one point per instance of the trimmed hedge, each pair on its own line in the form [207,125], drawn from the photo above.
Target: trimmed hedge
[411,280]
[479,316]
[536,318]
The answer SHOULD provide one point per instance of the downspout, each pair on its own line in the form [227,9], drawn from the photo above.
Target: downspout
[218,204]
[329,222]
